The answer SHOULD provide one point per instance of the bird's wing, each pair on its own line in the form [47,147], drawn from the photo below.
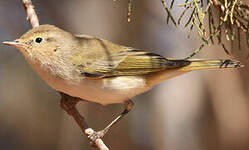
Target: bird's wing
[101,58]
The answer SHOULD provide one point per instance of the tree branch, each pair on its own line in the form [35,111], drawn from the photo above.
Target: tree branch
[31,15]
[68,104]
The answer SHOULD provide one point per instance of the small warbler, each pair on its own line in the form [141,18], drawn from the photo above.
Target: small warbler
[99,71]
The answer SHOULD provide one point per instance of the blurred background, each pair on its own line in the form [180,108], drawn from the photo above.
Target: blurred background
[202,110]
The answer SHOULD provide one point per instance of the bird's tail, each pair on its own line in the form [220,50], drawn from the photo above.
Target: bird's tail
[198,64]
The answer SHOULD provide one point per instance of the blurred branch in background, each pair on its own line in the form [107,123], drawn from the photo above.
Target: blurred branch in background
[233,19]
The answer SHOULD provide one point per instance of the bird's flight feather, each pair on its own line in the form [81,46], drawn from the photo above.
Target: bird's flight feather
[115,60]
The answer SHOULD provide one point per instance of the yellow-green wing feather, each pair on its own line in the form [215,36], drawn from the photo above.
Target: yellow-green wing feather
[100,58]
[139,62]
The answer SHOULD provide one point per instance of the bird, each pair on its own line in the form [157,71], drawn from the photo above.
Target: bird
[97,70]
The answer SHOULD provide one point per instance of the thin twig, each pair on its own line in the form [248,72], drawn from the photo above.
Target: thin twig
[68,104]
[129,11]
[222,8]
[31,15]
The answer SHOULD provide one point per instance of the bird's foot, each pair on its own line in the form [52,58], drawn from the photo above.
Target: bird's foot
[93,136]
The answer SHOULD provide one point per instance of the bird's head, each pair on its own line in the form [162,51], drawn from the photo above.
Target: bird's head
[45,44]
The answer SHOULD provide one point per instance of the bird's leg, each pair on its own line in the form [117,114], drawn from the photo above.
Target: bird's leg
[128,106]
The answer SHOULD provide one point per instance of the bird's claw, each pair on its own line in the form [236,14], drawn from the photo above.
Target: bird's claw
[96,135]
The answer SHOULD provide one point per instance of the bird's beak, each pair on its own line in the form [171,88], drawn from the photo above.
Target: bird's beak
[13,43]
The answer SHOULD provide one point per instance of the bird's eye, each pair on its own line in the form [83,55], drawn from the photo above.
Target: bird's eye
[38,40]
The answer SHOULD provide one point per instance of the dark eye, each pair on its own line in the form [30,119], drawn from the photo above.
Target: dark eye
[38,40]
